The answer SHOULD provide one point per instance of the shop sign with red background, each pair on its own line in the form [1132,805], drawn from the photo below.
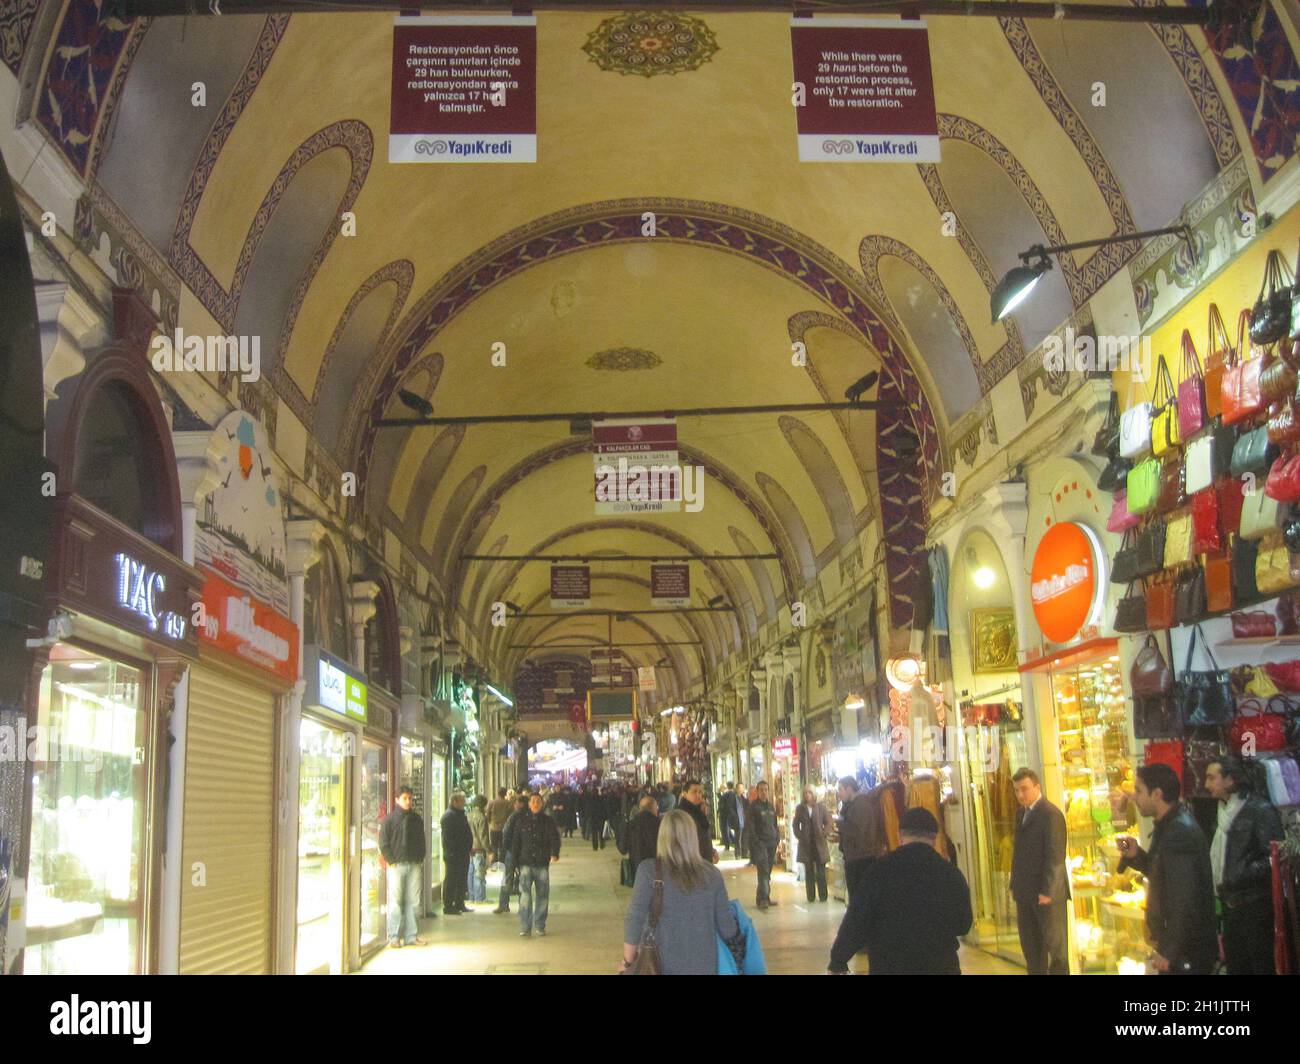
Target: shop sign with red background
[785,746]
[249,629]
[1064,581]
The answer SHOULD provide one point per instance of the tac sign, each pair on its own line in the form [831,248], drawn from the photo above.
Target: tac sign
[1065,588]
[139,588]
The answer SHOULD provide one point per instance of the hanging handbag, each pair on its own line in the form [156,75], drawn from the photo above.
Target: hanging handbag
[1189,596]
[1240,388]
[1286,674]
[1259,515]
[1178,541]
[1171,494]
[1191,391]
[1218,357]
[1106,443]
[1254,730]
[1198,754]
[1254,624]
[1115,476]
[1135,428]
[1231,493]
[1121,520]
[1160,604]
[1124,569]
[1218,583]
[1198,464]
[1150,675]
[1151,548]
[1244,590]
[647,952]
[1283,483]
[1288,622]
[1204,698]
[1278,379]
[1143,486]
[1253,453]
[1164,412]
[1166,752]
[1272,566]
[1207,535]
[1271,318]
[1131,612]
[1284,422]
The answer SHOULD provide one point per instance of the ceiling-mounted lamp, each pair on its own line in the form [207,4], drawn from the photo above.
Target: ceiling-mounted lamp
[1014,288]
[417,403]
[717,601]
[864,383]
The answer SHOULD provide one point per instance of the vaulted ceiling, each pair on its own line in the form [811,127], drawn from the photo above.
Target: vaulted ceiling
[753,252]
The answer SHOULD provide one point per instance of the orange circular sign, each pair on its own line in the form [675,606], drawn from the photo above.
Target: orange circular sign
[1063,581]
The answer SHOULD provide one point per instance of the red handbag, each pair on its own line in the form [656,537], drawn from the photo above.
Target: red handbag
[1253,625]
[1258,728]
[1284,421]
[1231,499]
[1167,752]
[1242,397]
[1207,536]
[1191,391]
[1283,481]
[1285,675]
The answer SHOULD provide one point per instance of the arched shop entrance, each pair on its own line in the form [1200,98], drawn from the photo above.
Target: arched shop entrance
[982,626]
[556,762]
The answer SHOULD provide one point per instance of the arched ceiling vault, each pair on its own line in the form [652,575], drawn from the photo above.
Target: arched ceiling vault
[752,253]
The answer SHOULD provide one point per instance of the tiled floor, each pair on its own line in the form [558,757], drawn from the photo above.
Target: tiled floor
[585,928]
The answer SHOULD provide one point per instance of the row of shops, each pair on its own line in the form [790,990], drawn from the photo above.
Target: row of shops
[216,723]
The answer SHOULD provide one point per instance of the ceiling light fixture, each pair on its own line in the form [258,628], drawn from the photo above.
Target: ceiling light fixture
[418,403]
[864,383]
[1014,288]
[984,577]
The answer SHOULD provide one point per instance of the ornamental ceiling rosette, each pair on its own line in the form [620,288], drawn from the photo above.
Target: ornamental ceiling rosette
[649,43]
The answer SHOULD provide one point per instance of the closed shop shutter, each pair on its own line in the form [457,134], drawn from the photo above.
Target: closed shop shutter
[229,827]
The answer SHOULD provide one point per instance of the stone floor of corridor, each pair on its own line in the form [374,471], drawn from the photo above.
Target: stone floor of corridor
[585,927]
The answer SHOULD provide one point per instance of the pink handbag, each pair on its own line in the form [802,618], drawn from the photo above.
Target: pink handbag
[1191,391]
[1120,519]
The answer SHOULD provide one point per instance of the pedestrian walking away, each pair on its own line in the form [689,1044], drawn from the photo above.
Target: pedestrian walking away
[811,827]
[457,841]
[498,813]
[728,823]
[909,910]
[401,844]
[861,830]
[1039,884]
[536,846]
[693,910]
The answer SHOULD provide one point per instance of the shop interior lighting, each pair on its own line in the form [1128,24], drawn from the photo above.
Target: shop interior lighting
[984,577]
[854,703]
[1019,281]
[499,695]
[83,664]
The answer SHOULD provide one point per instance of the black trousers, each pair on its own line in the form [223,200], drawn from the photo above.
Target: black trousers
[815,879]
[764,857]
[1248,938]
[853,873]
[455,884]
[1043,937]
[495,839]
[727,829]
[597,834]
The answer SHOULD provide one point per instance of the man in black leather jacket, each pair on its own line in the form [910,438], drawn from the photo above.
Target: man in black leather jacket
[1239,856]
[1180,892]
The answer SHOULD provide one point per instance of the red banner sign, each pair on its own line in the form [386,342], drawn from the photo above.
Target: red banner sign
[241,625]
[464,90]
[868,92]
[785,746]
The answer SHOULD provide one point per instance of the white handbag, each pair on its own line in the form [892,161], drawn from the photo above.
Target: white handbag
[1259,514]
[1135,431]
[1199,467]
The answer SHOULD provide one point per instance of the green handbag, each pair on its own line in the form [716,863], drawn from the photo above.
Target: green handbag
[1143,486]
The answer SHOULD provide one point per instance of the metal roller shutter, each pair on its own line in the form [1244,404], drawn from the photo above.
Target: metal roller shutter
[229,827]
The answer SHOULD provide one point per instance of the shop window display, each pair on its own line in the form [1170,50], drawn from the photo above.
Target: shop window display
[1097,771]
[89,798]
[322,838]
[374,807]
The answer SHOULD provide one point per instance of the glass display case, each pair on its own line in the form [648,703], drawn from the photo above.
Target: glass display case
[374,807]
[89,798]
[1096,795]
[322,841]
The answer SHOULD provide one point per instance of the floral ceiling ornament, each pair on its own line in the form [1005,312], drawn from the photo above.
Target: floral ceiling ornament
[649,43]
[624,358]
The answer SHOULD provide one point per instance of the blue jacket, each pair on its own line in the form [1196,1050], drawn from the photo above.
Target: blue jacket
[754,962]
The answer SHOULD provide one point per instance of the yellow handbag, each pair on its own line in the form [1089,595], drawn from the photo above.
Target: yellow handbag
[1261,684]
[1273,566]
[1178,540]
[1164,424]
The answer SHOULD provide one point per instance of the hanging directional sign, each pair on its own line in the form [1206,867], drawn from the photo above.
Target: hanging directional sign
[464,90]
[636,466]
[864,91]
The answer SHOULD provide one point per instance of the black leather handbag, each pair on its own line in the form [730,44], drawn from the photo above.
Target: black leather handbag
[1115,475]
[1252,453]
[1225,440]
[1131,611]
[1106,443]
[1244,590]
[1151,548]
[1205,699]
[1189,597]
[1124,570]
[1271,318]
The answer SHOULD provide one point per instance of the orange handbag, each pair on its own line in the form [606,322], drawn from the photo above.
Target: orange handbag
[1216,361]
[1218,583]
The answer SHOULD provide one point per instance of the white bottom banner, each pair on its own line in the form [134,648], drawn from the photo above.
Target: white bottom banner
[462,148]
[867,148]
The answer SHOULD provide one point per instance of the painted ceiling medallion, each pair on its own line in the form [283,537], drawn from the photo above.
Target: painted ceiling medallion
[624,358]
[648,43]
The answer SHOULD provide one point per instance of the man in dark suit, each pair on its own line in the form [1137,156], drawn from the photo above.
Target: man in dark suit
[1039,883]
